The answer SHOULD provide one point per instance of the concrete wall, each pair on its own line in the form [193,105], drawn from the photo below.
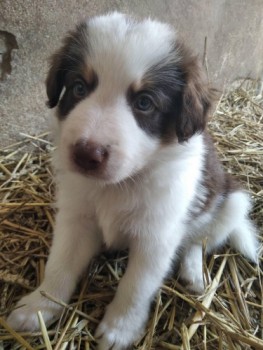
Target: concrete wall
[233,30]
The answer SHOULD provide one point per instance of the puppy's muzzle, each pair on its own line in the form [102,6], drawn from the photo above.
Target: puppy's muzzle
[89,157]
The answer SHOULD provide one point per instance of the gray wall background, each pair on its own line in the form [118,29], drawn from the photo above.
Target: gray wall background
[234,45]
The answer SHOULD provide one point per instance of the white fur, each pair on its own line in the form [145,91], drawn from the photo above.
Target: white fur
[142,199]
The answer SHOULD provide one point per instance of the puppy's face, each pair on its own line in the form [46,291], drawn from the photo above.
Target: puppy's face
[124,91]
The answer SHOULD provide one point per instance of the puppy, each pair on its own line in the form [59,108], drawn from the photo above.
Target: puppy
[135,169]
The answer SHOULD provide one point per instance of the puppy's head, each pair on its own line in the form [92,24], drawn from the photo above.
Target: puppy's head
[124,90]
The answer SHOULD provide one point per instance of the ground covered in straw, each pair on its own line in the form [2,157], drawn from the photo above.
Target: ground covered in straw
[230,313]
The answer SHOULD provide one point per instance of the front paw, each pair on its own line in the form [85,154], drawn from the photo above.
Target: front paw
[25,318]
[118,331]
[192,277]
[191,271]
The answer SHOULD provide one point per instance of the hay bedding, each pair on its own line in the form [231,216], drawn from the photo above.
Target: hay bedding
[230,313]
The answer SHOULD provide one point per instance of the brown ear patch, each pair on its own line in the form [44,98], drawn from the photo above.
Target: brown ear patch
[55,79]
[196,98]
[69,58]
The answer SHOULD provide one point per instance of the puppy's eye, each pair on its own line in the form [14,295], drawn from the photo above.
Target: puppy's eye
[79,89]
[144,103]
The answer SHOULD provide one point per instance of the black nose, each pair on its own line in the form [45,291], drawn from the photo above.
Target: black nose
[89,155]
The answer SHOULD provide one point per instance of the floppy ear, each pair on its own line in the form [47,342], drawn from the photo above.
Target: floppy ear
[55,78]
[66,59]
[195,100]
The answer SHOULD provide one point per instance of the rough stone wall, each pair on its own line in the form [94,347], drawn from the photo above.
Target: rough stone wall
[232,30]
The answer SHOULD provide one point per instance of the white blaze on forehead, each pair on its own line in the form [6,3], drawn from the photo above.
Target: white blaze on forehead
[121,49]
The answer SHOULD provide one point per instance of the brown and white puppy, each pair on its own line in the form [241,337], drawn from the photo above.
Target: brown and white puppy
[135,169]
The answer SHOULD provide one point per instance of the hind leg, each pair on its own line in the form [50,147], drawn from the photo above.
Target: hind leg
[243,239]
[233,225]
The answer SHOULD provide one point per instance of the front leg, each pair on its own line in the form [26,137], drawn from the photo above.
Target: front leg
[75,243]
[149,261]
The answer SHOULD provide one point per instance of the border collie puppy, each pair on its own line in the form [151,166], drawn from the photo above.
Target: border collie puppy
[135,169]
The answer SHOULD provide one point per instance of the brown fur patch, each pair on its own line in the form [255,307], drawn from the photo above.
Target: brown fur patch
[197,96]
[181,95]
[70,57]
[215,181]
